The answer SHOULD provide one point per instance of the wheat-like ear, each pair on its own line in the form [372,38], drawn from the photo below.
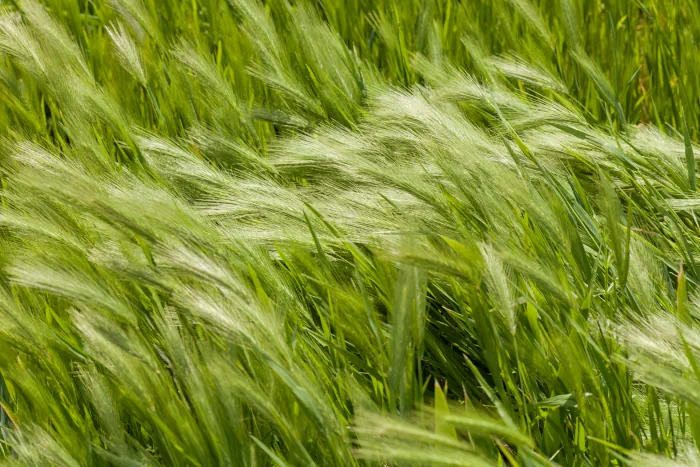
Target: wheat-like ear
[127,52]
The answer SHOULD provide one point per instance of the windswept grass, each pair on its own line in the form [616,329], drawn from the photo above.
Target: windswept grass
[386,232]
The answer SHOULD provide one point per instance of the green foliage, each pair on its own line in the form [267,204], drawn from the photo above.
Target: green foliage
[387,232]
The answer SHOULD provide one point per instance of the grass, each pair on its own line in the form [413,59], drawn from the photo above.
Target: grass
[387,232]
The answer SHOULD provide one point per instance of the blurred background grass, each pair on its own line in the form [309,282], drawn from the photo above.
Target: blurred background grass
[647,51]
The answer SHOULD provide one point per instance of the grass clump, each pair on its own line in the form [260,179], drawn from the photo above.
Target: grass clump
[386,232]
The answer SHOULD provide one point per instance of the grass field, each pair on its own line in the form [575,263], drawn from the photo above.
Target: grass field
[349,233]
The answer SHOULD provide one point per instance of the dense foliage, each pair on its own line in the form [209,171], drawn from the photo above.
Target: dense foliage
[349,232]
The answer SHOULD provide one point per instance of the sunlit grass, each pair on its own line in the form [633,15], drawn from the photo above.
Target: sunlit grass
[349,233]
